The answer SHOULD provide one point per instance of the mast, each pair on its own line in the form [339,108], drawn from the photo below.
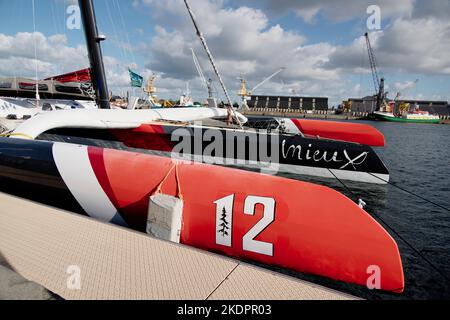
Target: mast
[93,40]
[205,46]
[38,98]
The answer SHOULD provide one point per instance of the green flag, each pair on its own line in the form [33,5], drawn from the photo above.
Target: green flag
[136,80]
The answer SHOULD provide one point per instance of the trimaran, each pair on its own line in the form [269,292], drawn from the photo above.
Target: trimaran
[276,221]
[306,147]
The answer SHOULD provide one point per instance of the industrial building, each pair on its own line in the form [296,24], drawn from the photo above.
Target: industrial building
[287,102]
[368,104]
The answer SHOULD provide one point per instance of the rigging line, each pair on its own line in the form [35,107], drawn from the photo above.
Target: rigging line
[127,38]
[122,51]
[407,191]
[411,193]
[64,20]
[53,16]
[55,26]
[35,52]
[343,184]
[420,254]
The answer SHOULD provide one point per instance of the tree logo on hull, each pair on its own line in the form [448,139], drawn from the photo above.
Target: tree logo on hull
[224,223]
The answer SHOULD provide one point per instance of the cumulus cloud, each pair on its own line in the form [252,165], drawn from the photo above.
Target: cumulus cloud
[413,46]
[245,43]
[405,85]
[54,56]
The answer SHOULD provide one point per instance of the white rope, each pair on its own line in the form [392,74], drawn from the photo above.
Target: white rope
[64,20]
[127,38]
[35,53]
[122,50]
[57,29]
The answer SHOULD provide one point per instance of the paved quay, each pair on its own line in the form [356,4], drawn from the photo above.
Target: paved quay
[76,257]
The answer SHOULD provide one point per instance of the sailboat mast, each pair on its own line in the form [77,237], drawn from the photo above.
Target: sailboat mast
[95,53]
[205,46]
[35,56]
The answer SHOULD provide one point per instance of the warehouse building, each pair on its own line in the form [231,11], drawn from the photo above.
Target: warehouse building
[286,102]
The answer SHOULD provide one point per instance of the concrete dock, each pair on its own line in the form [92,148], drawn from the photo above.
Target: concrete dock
[76,257]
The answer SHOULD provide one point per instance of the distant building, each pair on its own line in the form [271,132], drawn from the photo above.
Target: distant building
[287,102]
[440,108]
[368,104]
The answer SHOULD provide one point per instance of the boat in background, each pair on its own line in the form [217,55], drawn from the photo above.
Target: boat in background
[401,112]
[75,85]
[424,117]
[21,99]
[332,130]
[394,111]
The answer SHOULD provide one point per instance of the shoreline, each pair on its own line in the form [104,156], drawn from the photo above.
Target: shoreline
[318,114]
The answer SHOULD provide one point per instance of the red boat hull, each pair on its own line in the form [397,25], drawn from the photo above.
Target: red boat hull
[315,229]
[276,221]
[350,132]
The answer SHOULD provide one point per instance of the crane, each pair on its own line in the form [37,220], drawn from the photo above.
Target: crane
[206,83]
[150,90]
[245,94]
[378,83]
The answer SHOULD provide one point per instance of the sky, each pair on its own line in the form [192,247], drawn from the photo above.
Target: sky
[319,42]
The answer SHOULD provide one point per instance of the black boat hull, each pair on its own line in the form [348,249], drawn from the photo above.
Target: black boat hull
[272,153]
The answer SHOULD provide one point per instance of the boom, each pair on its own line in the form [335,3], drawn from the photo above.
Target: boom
[267,79]
[373,63]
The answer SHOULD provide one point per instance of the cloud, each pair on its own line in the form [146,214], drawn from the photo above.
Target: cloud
[52,53]
[243,43]
[411,46]
[54,57]
[402,86]
[339,11]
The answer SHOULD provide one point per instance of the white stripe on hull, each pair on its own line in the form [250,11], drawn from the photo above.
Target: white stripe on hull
[76,170]
[359,176]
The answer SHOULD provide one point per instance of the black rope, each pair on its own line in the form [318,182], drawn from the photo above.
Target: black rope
[410,192]
[420,254]
[345,186]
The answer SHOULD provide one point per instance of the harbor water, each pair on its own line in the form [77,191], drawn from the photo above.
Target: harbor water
[418,158]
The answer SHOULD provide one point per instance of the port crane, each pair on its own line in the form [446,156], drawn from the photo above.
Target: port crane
[378,83]
[246,94]
[150,90]
[206,83]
